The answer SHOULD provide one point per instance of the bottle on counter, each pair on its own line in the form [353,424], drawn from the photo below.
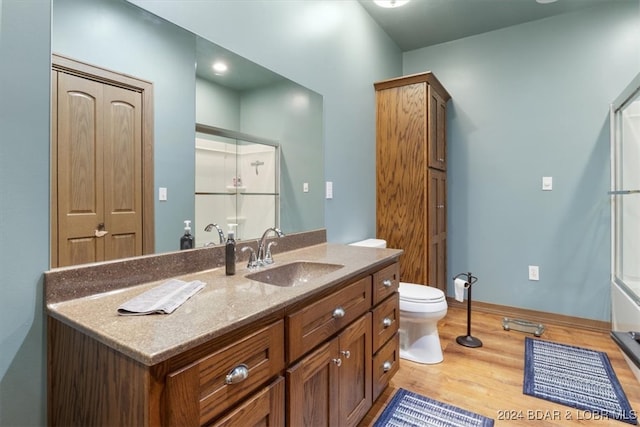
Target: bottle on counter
[186,241]
[230,254]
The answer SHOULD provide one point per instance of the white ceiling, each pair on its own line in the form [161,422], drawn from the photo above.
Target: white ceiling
[422,23]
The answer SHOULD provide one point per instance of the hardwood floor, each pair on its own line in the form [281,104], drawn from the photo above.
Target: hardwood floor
[488,380]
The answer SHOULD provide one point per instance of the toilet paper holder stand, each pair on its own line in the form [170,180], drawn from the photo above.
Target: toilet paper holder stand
[468,340]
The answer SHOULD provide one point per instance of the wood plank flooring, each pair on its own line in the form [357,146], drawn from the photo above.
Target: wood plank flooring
[488,380]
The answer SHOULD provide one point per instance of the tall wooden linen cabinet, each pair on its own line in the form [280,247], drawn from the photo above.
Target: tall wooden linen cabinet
[411,179]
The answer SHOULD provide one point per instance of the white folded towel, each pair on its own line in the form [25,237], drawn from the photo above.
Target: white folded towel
[163,299]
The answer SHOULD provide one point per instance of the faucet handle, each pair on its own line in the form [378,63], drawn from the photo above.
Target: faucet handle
[268,259]
[253,263]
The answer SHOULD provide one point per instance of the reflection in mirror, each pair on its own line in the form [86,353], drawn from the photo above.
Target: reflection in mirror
[237,184]
[118,36]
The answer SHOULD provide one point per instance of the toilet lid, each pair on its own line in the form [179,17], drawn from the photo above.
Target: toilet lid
[411,292]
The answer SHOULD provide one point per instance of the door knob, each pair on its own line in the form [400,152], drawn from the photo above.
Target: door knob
[100,231]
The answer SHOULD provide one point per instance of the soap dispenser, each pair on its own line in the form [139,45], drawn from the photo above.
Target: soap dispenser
[186,241]
[230,254]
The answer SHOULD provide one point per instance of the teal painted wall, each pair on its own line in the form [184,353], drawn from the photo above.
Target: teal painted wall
[291,115]
[532,101]
[25,79]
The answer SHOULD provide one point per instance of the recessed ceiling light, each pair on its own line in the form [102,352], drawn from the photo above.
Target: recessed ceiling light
[546,1]
[390,3]
[219,67]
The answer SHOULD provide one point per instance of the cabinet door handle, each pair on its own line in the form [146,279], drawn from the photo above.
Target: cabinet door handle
[346,353]
[338,313]
[386,366]
[337,361]
[387,283]
[440,206]
[386,322]
[441,160]
[237,374]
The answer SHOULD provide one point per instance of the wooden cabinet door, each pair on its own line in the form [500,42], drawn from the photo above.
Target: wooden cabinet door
[401,172]
[437,130]
[437,266]
[355,382]
[98,154]
[312,388]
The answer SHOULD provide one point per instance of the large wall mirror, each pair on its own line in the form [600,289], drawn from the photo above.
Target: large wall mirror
[247,99]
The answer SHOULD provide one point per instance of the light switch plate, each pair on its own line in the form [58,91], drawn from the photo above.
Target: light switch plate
[547,183]
[329,189]
[162,194]
[305,187]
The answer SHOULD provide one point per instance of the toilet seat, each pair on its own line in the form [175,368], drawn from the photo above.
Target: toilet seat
[420,294]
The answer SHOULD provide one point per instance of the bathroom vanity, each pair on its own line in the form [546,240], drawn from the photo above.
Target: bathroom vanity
[239,352]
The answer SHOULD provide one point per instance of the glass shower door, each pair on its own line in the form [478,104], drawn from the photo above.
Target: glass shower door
[625,191]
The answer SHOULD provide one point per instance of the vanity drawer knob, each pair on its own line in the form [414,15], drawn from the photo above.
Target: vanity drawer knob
[346,353]
[237,374]
[337,361]
[386,366]
[387,283]
[338,313]
[386,322]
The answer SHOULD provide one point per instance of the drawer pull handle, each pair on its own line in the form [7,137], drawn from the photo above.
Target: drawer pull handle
[386,366]
[346,353]
[237,374]
[338,313]
[386,322]
[338,362]
[387,283]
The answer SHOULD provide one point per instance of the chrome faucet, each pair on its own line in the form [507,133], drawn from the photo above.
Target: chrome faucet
[220,233]
[264,252]
[253,262]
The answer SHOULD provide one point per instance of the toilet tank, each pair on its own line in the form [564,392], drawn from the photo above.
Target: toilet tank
[371,243]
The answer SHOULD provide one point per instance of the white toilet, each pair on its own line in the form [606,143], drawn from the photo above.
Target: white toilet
[421,307]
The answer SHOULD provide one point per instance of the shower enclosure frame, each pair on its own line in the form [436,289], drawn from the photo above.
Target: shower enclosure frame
[625,222]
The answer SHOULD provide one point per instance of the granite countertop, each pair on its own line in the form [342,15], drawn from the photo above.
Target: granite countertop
[226,303]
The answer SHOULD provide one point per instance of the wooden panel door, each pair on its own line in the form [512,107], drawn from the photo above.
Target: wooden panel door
[98,155]
[312,388]
[401,171]
[438,229]
[80,203]
[122,172]
[355,392]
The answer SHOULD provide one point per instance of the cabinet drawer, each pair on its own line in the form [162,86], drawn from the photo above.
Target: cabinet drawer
[203,390]
[386,318]
[385,364]
[265,408]
[386,282]
[320,320]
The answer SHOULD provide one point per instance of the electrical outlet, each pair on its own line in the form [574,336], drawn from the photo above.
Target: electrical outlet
[534,272]
[162,194]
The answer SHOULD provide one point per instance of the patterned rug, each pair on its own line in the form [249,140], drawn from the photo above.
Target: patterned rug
[575,377]
[408,409]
